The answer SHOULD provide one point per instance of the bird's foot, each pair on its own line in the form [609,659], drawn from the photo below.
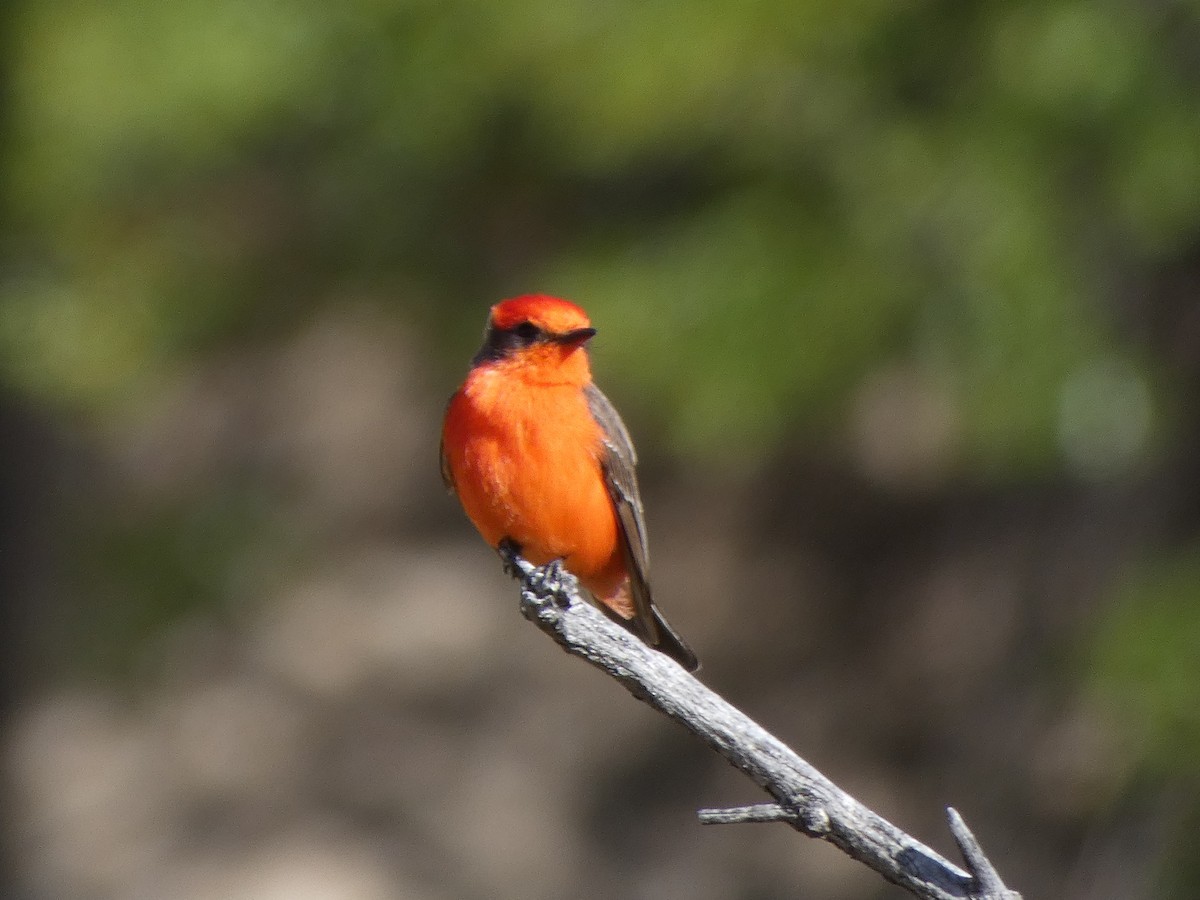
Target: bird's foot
[548,582]
[553,581]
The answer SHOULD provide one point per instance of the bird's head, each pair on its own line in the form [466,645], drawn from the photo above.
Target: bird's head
[537,331]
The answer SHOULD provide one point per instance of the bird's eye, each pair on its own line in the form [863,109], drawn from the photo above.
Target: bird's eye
[527,332]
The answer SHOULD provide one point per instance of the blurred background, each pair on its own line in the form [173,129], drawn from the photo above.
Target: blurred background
[900,301]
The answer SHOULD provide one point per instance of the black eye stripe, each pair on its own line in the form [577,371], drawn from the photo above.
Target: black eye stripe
[527,332]
[499,342]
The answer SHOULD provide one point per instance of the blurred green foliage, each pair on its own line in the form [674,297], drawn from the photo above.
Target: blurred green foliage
[1145,664]
[1147,657]
[779,197]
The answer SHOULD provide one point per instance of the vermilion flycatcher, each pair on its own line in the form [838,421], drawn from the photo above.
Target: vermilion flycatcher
[540,458]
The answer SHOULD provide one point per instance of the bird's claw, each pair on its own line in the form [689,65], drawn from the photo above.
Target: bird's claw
[553,581]
[550,581]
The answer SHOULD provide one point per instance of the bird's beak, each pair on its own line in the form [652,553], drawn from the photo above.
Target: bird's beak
[576,337]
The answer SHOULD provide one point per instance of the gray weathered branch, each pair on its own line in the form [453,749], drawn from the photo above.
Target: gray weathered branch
[805,799]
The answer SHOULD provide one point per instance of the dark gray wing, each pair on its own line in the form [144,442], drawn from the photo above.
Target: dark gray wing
[618,464]
[447,475]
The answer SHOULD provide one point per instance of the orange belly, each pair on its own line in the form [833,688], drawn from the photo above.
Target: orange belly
[525,464]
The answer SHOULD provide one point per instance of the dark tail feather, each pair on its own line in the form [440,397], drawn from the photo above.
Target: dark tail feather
[668,641]
[673,645]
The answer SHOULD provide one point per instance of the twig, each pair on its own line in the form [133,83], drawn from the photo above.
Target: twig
[740,815]
[982,871]
[805,798]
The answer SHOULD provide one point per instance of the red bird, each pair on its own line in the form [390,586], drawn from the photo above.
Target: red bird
[540,458]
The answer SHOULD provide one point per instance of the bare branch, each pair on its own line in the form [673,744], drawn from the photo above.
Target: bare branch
[740,815]
[805,798]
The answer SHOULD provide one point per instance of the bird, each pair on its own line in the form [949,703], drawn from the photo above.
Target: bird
[543,464]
